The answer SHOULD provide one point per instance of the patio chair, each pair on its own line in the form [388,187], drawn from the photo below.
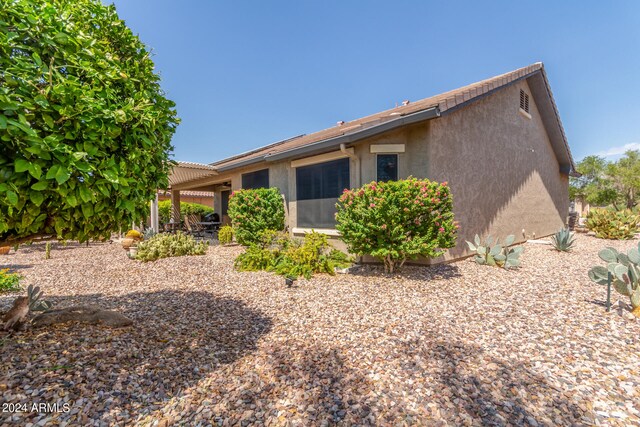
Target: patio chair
[192,222]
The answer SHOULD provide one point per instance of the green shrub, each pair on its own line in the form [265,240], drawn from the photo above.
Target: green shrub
[225,235]
[255,258]
[9,282]
[164,210]
[291,257]
[254,211]
[615,225]
[169,245]
[397,220]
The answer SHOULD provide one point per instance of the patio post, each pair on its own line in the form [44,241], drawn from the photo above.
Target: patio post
[175,206]
[154,214]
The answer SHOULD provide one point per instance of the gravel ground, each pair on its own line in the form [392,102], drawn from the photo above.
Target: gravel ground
[459,344]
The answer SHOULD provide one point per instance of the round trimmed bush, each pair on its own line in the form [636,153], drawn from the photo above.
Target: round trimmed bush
[254,211]
[397,220]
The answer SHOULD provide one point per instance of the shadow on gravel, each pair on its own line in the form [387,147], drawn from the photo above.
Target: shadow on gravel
[601,303]
[177,339]
[310,385]
[415,272]
[15,267]
[493,391]
[56,246]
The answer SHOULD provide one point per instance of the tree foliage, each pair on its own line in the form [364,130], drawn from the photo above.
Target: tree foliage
[606,183]
[85,128]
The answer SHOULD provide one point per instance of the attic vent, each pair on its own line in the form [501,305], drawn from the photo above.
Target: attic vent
[524,101]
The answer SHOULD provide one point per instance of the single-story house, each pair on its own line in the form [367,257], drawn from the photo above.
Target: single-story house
[499,143]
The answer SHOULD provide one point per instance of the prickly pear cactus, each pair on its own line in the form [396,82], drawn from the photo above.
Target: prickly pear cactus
[625,273]
[495,253]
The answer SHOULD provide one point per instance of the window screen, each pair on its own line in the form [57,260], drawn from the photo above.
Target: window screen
[257,179]
[387,167]
[317,190]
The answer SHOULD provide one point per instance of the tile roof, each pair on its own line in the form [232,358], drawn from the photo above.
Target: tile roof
[445,101]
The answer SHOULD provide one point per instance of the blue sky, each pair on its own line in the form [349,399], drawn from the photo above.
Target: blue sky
[245,74]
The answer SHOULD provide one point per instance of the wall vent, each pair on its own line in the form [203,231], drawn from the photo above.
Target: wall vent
[524,101]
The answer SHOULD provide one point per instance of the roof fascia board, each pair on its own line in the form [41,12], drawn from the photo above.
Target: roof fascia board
[242,163]
[549,114]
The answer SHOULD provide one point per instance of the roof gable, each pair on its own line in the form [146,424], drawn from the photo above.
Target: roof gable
[424,109]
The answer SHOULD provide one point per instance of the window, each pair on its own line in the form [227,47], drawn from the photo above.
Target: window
[524,101]
[317,190]
[387,167]
[257,179]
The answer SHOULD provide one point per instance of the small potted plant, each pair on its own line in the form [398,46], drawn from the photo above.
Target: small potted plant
[130,241]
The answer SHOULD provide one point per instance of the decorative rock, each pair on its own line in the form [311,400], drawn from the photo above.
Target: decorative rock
[456,344]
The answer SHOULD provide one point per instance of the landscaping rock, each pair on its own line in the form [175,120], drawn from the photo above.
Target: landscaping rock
[457,344]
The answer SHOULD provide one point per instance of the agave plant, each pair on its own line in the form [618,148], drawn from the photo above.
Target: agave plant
[625,272]
[35,304]
[495,253]
[149,233]
[563,240]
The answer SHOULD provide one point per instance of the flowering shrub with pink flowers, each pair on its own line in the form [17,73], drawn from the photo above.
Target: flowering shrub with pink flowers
[254,211]
[397,220]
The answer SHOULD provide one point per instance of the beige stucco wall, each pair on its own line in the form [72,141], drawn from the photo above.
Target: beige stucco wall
[413,162]
[501,169]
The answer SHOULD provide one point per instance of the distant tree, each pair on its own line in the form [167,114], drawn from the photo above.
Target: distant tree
[85,128]
[593,184]
[608,183]
[624,176]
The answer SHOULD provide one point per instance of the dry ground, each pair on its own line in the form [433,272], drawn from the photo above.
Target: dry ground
[453,345]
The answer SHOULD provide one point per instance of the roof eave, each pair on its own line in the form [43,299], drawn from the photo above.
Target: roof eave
[350,138]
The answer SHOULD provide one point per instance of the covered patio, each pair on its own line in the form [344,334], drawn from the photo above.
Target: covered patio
[191,176]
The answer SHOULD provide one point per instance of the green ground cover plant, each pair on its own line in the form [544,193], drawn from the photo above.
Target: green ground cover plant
[292,258]
[166,245]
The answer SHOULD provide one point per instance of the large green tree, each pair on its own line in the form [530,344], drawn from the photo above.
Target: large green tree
[605,183]
[624,176]
[85,128]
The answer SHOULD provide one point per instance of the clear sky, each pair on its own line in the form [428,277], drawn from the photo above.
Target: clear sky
[249,73]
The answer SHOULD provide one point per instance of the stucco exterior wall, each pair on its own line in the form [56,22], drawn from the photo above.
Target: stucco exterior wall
[413,162]
[501,169]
